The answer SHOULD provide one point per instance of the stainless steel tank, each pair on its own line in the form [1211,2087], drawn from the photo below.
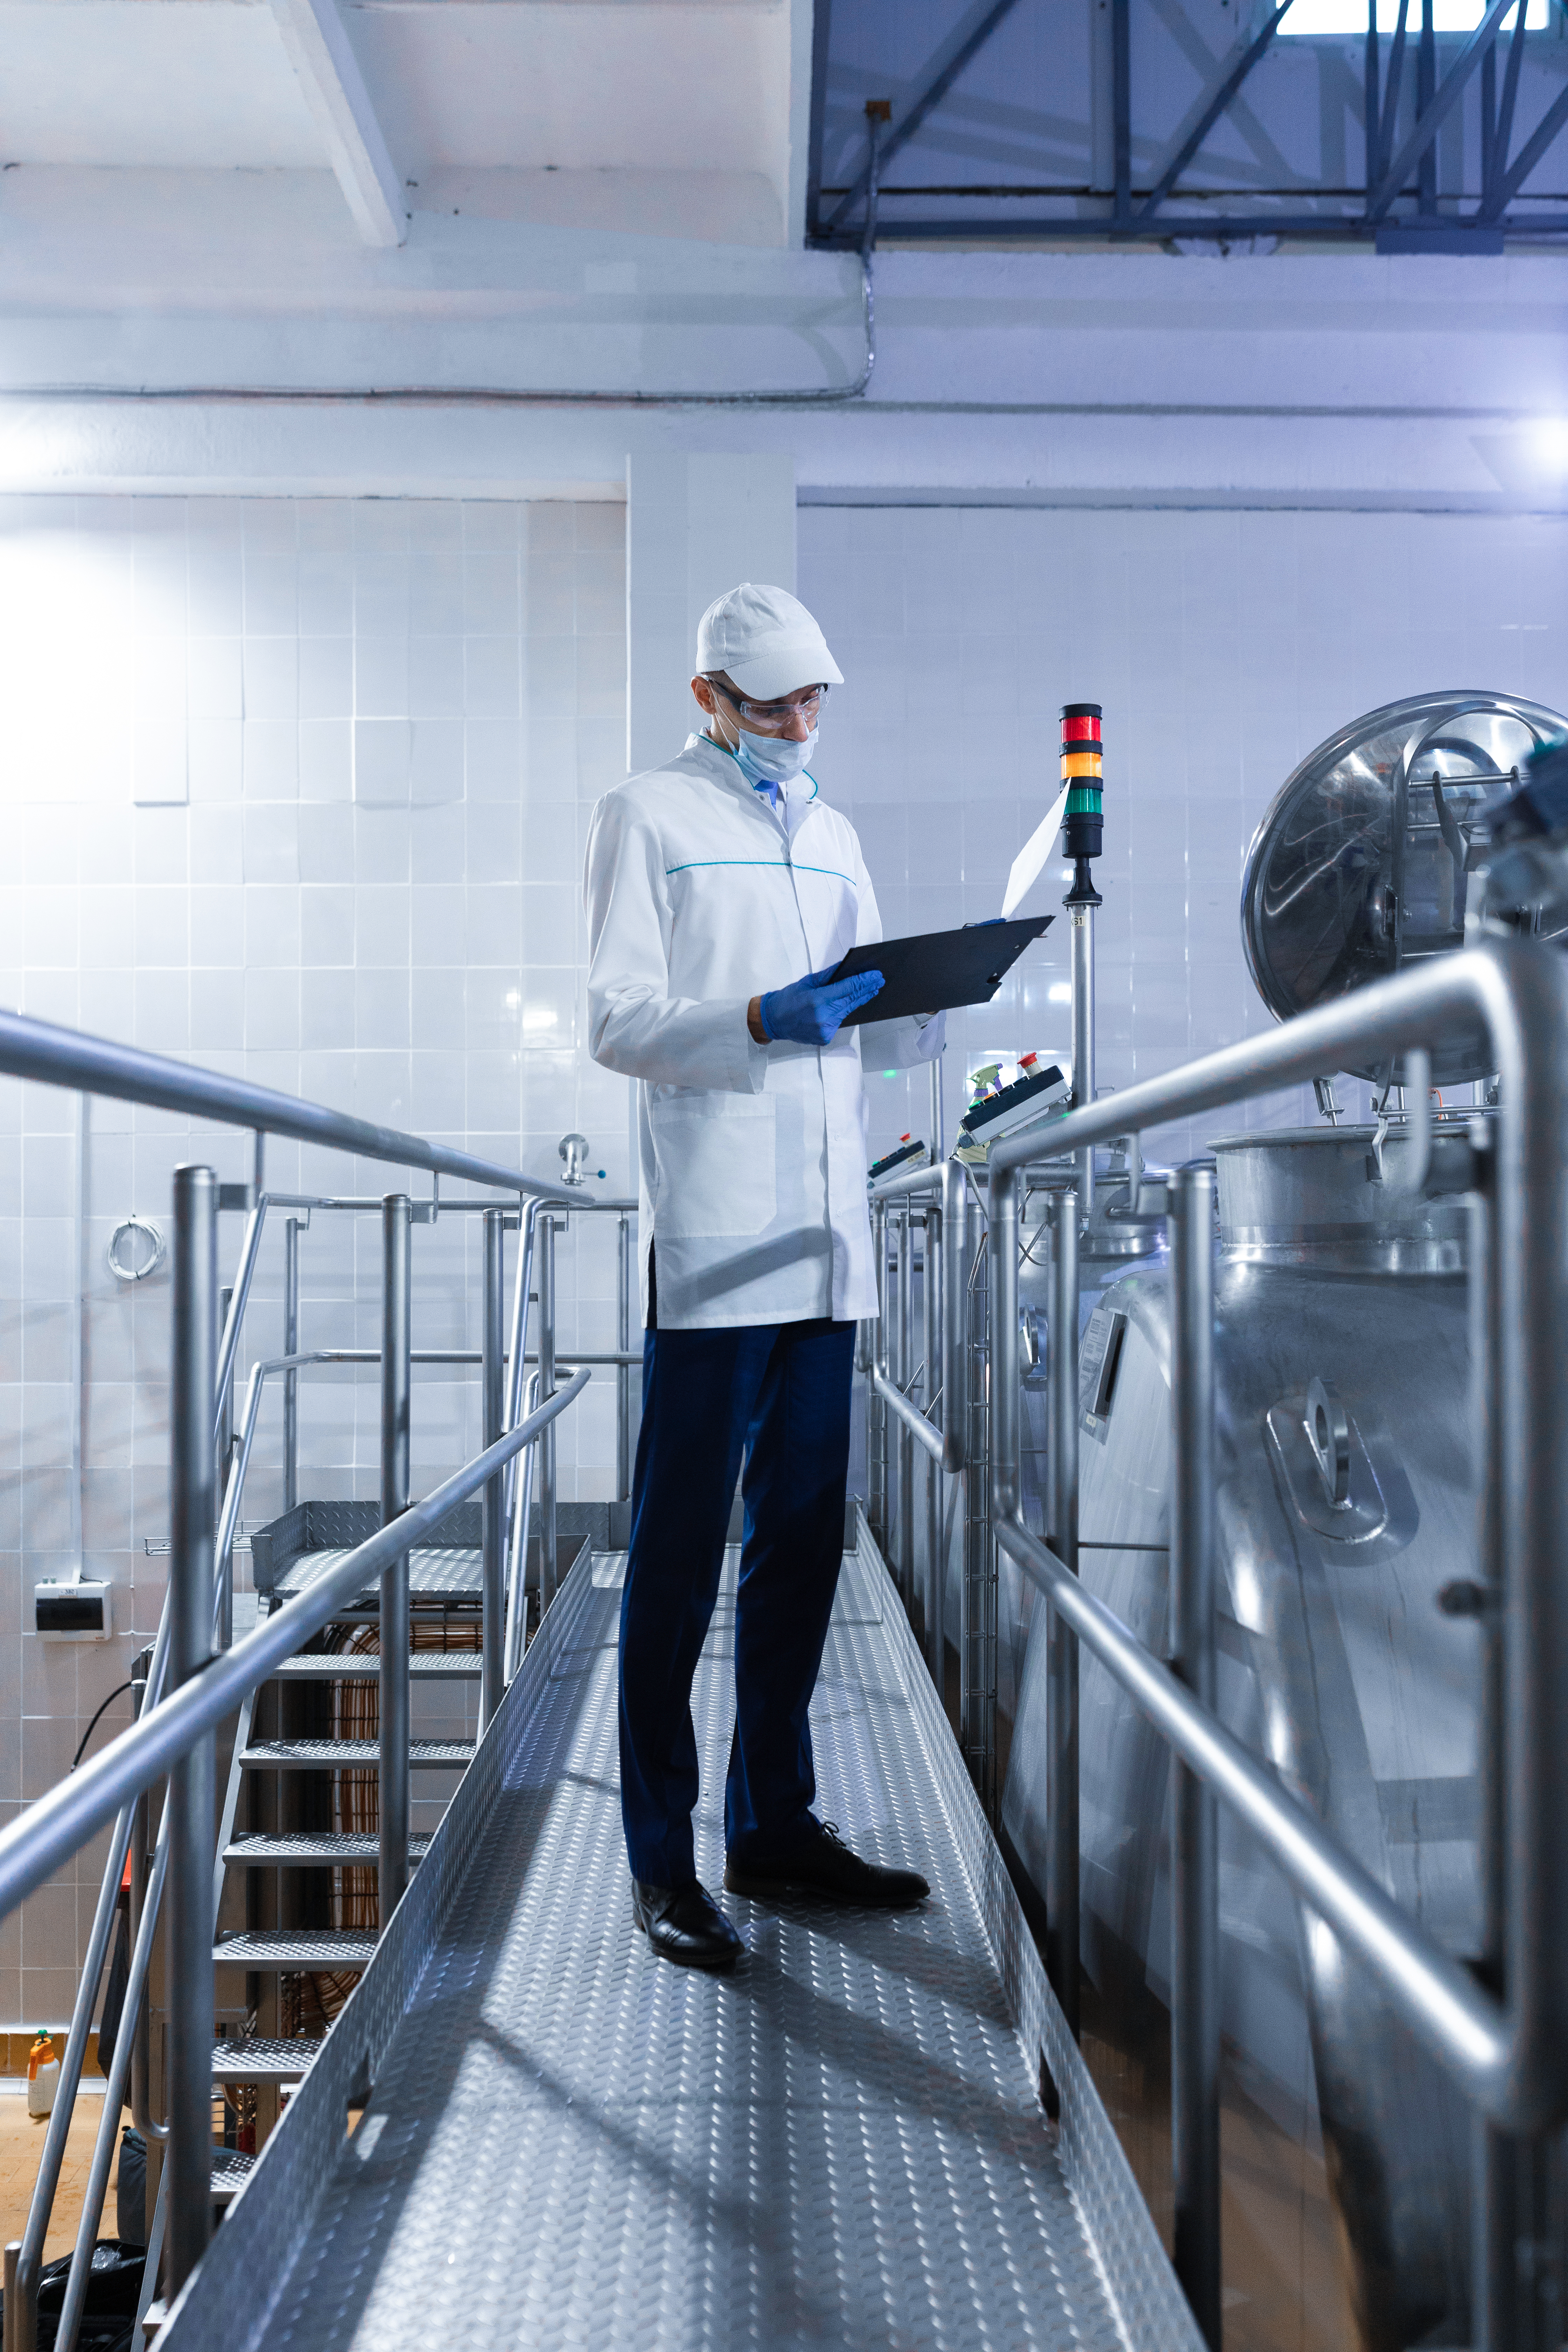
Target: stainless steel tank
[1346,1505]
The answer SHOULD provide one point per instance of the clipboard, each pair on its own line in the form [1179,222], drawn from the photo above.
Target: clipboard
[939,969]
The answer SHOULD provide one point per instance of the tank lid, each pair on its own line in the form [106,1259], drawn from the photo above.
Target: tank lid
[1361,865]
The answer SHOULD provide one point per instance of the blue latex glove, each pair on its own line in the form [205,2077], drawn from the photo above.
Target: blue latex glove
[812,1010]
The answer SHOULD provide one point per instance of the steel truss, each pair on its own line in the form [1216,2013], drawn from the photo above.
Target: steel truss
[1398,169]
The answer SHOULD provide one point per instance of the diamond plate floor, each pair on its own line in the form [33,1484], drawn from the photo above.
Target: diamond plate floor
[571,2144]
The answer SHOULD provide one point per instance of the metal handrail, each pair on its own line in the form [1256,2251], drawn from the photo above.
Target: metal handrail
[57,1823]
[57,1057]
[1509,2055]
[945,1187]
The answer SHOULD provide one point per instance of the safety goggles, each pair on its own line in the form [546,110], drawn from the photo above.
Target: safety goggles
[775,714]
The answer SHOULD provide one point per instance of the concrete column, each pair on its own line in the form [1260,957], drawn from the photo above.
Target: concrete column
[695,524]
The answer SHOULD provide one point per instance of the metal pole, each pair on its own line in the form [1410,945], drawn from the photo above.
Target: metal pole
[396,1379]
[935,1305]
[938,1122]
[1195,1935]
[875,1411]
[624,1372]
[1083,1043]
[1062,1923]
[193,1778]
[290,1347]
[224,1457]
[904,1440]
[547,1562]
[493,1404]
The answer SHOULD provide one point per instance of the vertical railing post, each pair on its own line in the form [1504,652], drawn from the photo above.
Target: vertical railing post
[493,1382]
[1083,1037]
[547,1488]
[397,1383]
[1194,1939]
[623,1372]
[193,1780]
[977,1623]
[1061,1650]
[903,1437]
[291,1231]
[224,1457]
[937,1407]
[875,1411]
[1513,2306]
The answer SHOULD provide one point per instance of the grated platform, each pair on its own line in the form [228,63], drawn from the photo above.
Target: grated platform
[446,1573]
[330,1755]
[312,1849]
[841,2145]
[259,2058]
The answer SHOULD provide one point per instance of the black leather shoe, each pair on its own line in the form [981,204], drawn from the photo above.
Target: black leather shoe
[817,1862]
[685,1924]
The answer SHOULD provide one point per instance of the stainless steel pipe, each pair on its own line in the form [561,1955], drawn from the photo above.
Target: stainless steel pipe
[904,1519]
[291,1232]
[1062,1873]
[547,1487]
[933,1307]
[492,1634]
[396,1384]
[193,1778]
[1194,1870]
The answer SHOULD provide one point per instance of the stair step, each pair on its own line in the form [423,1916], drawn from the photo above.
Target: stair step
[259,2059]
[297,1948]
[231,2169]
[337,1754]
[308,1848]
[359,1665]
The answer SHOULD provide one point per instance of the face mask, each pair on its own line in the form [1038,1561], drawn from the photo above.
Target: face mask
[772,758]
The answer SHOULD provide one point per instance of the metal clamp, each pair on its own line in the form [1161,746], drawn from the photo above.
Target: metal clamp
[116,1264]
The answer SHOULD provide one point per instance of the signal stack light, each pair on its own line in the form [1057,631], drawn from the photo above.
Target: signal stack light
[1082,828]
[1082,772]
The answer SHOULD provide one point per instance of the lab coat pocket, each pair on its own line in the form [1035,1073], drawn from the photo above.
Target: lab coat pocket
[717,1172]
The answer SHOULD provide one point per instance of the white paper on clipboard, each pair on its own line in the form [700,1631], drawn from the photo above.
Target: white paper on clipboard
[1027,863]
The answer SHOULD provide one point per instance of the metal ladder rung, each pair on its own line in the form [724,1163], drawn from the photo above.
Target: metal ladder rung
[310,1849]
[296,1947]
[259,2058]
[365,1666]
[335,1755]
[231,2169]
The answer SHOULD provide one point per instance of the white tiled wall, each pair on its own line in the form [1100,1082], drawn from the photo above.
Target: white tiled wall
[1223,646]
[297,789]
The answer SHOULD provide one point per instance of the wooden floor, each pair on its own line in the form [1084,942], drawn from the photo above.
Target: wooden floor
[21,2145]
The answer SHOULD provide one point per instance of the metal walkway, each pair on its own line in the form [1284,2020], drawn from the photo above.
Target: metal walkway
[569,2143]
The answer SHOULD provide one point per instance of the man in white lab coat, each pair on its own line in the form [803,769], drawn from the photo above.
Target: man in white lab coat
[721,891]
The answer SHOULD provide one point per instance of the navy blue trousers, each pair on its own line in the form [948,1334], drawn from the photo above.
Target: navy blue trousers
[780,1392]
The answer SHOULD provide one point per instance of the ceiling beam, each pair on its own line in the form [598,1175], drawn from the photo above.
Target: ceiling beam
[318,50]
[1220,97]
[1427,127]
[944,71]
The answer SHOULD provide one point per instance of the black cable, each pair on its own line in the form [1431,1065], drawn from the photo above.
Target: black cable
[93,1727]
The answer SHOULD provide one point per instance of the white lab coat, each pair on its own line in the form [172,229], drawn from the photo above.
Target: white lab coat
[751,1180]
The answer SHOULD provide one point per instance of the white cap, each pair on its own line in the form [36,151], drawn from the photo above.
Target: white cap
[766,641]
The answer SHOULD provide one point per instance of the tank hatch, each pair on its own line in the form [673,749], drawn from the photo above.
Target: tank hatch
[1365,861]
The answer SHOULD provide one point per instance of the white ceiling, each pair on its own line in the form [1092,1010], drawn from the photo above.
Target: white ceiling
[700,89]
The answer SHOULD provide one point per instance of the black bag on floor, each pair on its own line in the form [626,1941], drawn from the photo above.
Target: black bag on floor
[109,2315]
[130,2188]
